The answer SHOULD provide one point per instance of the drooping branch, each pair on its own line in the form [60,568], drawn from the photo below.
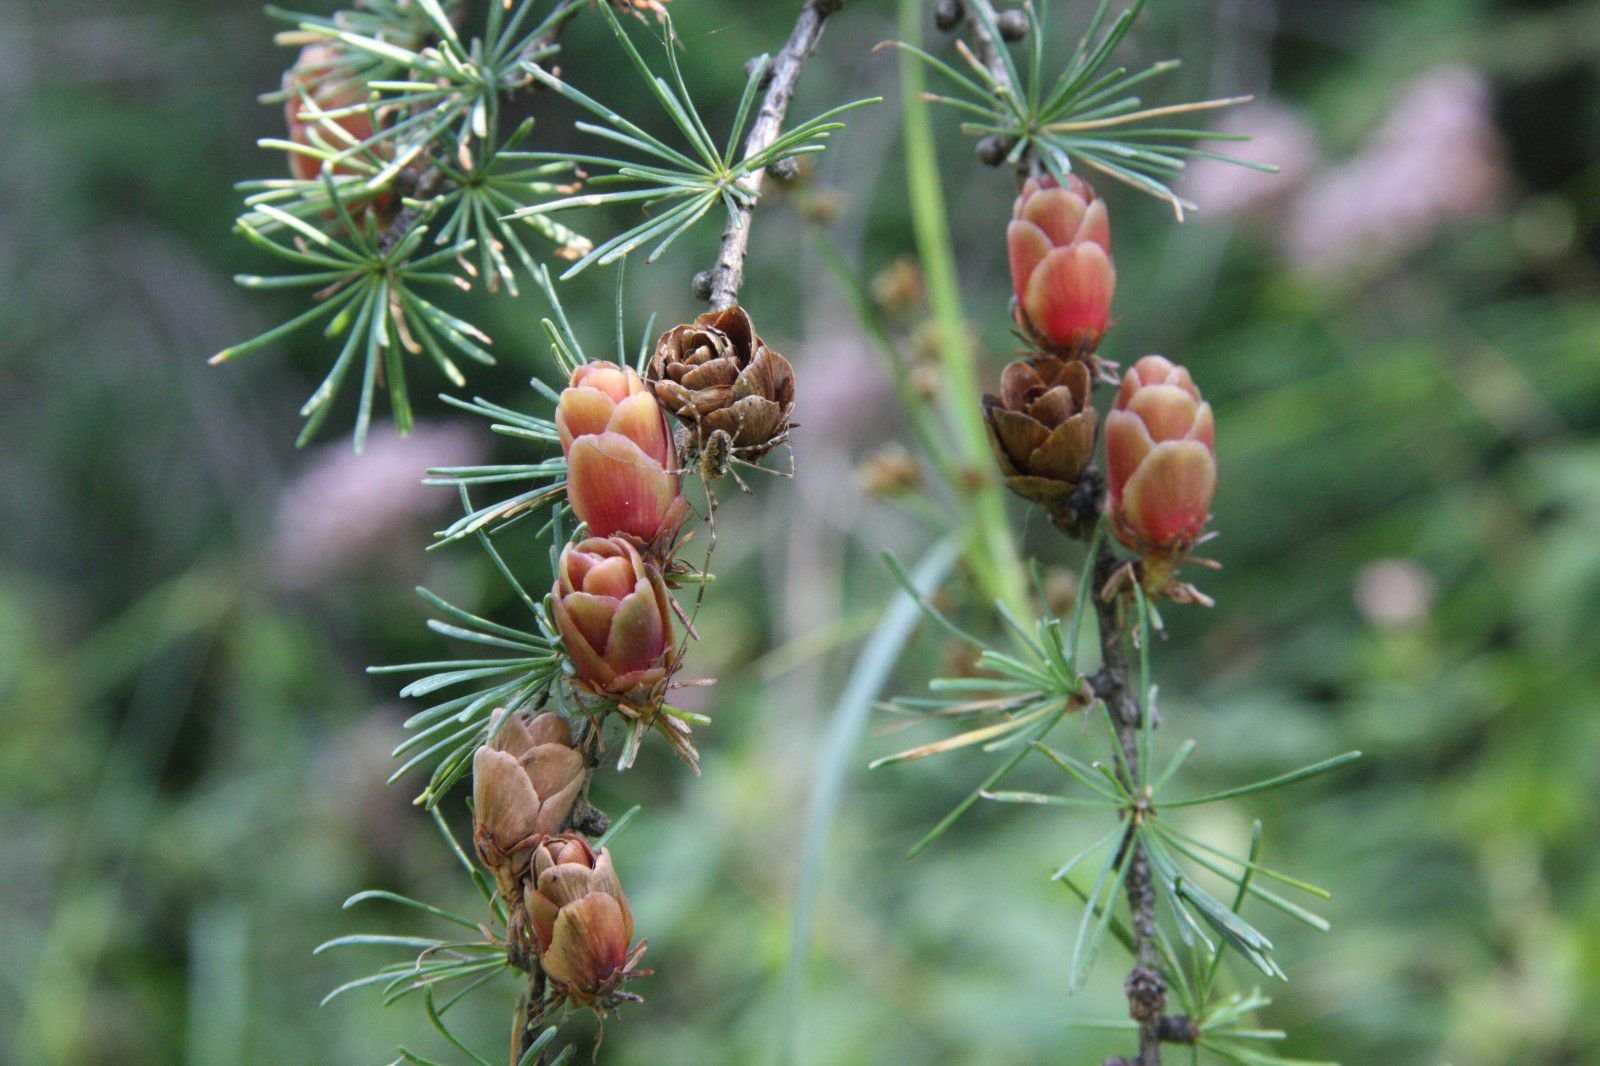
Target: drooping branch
[727,277]
[1145,987]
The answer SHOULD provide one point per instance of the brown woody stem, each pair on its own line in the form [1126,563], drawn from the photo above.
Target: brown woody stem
[1145,987]
[987,50]
[728,275]
[983,42]
[530,1015]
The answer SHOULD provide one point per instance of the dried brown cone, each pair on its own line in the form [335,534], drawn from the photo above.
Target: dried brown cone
[1042,427]
[717,374]
[582,925]
[525,784]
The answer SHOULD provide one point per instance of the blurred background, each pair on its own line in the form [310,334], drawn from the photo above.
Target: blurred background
[1400,335]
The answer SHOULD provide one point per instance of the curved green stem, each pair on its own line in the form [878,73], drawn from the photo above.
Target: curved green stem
[990,551]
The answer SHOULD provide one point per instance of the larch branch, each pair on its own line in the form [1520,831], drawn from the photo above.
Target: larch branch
[727,277]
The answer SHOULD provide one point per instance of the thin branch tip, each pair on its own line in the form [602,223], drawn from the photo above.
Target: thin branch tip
[727,277]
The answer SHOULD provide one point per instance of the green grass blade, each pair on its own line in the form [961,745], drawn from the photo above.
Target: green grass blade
[867,678]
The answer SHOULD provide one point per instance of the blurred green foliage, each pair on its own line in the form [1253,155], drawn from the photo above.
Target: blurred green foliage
[191,761]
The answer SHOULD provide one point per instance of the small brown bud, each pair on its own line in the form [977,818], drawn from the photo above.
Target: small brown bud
[750,70]
[947,14]
[700,285]
[638,8]
[898,287]
[1060,591]
[890,471]
[927,341]
[960,659]
[786,169]
[1178,1029]
[993,149]
[926,381]
[792,176]
[1147,995]
[1013,25]
[822,206]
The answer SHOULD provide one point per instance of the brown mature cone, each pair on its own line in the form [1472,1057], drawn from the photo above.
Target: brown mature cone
[715,373]
[524,785]
[581,922]
[1042,427]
